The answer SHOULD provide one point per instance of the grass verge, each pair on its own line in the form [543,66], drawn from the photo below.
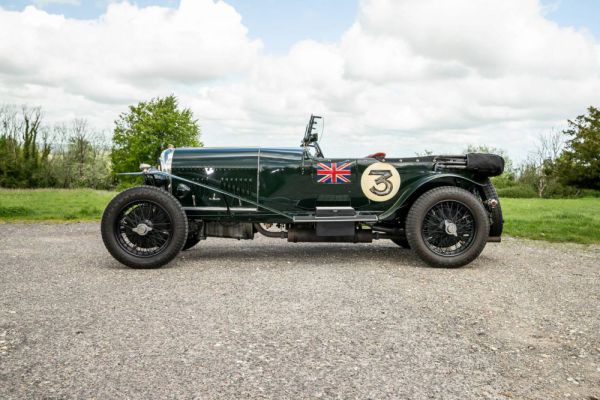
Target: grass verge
[52,204]
[555,220]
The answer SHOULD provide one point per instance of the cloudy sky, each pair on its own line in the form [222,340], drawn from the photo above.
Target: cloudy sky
[388,75]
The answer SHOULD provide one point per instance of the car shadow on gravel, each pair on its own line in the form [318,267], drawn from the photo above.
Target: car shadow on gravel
[304,252]
[252,253]
[313,253]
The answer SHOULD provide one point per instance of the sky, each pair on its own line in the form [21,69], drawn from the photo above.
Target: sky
[388,75]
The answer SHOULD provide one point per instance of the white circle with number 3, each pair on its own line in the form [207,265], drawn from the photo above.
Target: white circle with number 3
[380,181]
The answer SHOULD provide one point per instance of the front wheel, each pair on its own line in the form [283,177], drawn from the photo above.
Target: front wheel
[144,227]
[447,227]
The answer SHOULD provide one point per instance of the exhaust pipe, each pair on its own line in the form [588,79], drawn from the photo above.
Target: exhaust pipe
[296,235]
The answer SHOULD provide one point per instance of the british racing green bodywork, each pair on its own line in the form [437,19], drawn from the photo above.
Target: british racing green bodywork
[278,184]
[443,207]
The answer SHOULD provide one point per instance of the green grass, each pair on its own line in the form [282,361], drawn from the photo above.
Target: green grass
[52,204]
[555,220]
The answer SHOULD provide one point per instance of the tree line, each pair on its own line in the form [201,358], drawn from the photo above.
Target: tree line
[35,155]
[72,155]
[563,164]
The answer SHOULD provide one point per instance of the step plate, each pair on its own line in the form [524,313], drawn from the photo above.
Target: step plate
[354,218]
[343,212]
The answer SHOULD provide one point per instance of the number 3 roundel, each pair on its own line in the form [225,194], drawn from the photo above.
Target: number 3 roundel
[380,182]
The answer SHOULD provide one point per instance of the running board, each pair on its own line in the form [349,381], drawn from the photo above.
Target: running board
[355,218]
[335,214]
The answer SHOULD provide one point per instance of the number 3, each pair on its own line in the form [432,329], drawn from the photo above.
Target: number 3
[384,179]
[380,182]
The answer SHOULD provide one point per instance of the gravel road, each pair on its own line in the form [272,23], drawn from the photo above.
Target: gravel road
[268,319]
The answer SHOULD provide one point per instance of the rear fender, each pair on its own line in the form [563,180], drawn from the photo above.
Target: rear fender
[415,189]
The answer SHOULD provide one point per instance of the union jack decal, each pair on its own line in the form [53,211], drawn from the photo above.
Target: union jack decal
[334,172]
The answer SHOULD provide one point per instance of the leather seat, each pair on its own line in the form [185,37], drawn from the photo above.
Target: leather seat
[376,155]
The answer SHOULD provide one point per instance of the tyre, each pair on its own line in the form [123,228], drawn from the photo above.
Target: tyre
[447,227]
[402,243]
[144,227]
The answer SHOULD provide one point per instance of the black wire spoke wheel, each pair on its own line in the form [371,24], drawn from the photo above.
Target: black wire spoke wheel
[144,229]
[449,228]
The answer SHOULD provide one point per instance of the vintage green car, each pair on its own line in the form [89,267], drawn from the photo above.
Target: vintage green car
[442,207]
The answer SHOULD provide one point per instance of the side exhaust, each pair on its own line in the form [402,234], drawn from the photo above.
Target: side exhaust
[297,235]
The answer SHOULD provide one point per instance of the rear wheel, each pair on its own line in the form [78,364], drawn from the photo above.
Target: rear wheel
[144,227]
[447,227]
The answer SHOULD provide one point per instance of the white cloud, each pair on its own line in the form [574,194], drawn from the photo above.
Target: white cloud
[492,38]
[125,54]
[43,3]
[408,75]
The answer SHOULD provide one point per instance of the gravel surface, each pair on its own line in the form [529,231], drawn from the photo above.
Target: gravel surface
[270,319]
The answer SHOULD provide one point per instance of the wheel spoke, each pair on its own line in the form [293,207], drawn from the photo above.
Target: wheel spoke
[154,233]
[439,224]
[154,240]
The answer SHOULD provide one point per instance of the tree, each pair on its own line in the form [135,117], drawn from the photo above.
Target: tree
[579,164]
[424,153]
[34,155]
[147,129]
[79,147]
[539,168]
[23,156]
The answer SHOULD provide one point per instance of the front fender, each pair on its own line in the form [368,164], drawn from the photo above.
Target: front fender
[417,186]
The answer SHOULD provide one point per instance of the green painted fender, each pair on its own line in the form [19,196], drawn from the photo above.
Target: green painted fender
[415,186]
